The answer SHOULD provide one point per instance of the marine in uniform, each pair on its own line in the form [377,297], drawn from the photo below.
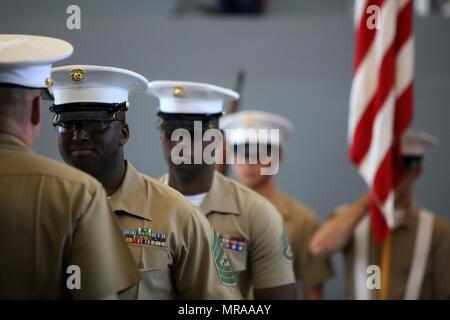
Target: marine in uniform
[172,243]
[249,227]
[310,271]
[420,240]
[58,236]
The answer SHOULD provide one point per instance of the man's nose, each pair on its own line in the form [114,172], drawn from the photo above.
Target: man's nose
[80,134]
[182,143]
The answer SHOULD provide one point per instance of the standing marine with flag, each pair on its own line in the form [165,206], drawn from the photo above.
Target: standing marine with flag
[381,109]
[420,240]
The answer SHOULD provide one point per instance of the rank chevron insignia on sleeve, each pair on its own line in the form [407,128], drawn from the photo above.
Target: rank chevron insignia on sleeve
[287,250]
[222,263]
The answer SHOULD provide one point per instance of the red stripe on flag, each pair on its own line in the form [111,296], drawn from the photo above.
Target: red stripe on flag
[383,182]
[380,229]
[364,35]
[363,132]
[404,25]
[404,111]
[404,103]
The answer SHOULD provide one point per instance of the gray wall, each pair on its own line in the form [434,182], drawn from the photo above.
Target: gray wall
[299,67]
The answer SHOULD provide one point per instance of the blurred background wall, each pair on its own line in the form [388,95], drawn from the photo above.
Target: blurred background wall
[298,59]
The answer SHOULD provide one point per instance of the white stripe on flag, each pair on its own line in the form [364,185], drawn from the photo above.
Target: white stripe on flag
[404,67]
[382,136]
[388,209]
[365,80]
[360,6]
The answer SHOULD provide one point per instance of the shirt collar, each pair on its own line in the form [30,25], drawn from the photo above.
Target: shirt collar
[8,141]
[220,198]
[133,195]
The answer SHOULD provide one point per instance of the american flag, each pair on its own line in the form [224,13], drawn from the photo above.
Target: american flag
[381,100]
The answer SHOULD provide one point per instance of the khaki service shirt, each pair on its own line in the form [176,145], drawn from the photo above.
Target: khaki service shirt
[54,216]
[252,232]
[171,242]
[301,224]
[436,282]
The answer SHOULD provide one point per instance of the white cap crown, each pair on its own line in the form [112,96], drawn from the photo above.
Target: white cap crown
[414,143]
[96,84]
[242,121]
[26,60]
[190,97]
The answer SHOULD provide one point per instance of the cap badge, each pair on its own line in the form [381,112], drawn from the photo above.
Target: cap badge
[49,82]
[77,74]
[178,91]
[249,120]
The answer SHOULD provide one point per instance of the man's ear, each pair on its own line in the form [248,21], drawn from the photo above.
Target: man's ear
[36,110]
[124,134]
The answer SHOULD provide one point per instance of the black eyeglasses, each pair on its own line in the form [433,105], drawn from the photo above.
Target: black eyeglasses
[87,125]
[168,132]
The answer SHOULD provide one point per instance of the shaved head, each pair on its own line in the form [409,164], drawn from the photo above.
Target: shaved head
[20,111]
[15,103]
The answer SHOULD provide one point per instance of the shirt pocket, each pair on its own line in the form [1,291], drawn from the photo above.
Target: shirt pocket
[156,274]
[238,260]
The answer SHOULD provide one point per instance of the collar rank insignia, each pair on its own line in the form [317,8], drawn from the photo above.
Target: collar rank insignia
[232,242]
[145,236]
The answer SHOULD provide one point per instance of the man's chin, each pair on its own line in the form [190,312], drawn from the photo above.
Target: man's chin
[85,164]
[188,170]
[256,183]
[253,185]
[183,167]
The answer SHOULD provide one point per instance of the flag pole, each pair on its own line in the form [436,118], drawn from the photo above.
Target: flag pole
[386,249]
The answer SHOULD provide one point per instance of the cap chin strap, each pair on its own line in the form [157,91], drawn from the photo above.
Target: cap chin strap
[86,110]
[89,106]
[189,116]
[58,118]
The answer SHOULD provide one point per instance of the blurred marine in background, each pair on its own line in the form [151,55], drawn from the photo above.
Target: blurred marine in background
[301,222]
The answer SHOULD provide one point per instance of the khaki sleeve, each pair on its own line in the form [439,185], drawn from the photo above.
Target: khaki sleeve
[441,263]
[311,269]
[202,269]
[348,246]
[271,260]
[99,251]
